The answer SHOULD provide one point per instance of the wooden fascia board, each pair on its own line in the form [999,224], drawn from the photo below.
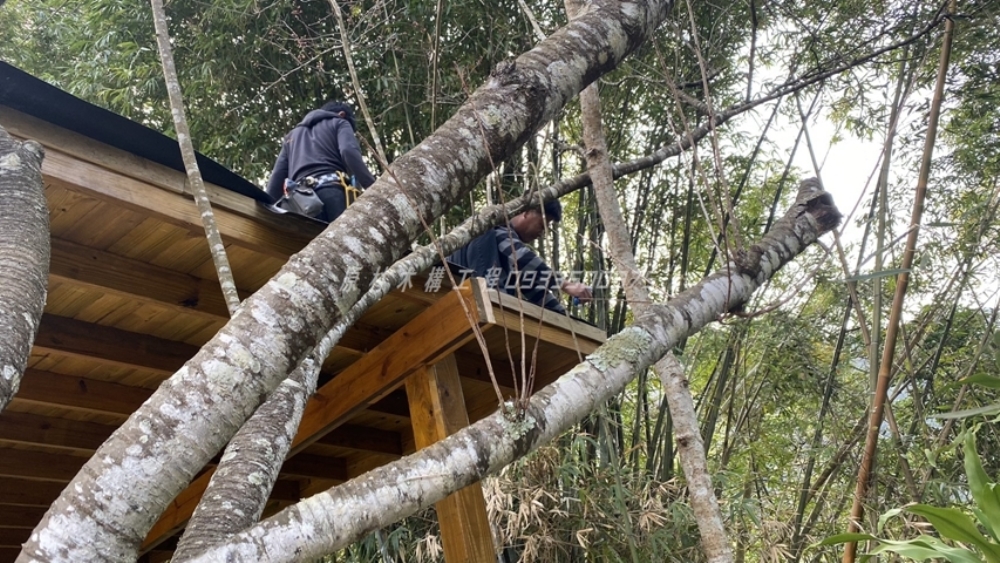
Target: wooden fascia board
[517,315]
[85,149]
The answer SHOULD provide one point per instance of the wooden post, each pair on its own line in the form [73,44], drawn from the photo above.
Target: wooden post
[437,410]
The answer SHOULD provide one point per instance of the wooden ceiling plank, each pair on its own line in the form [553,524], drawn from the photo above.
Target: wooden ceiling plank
[13,537]
[64,171]
[25,492]
[96,231]
[40,466]
[69,210]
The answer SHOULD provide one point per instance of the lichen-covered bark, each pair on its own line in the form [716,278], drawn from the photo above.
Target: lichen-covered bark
[24,257]
[102,515]
[322,523]
[691,450]
[239,488]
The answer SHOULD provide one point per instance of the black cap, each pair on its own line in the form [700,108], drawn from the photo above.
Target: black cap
[553,210]
[337,107]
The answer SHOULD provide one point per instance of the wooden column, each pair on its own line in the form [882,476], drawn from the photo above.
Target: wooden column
[437,410]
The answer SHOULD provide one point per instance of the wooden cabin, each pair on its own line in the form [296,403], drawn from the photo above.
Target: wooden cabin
[133,293]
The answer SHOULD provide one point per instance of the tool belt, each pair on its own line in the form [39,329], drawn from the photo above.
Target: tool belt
[351,191]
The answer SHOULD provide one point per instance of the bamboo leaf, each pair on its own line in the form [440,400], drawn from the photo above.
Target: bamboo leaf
[988,409]
[889,514]
[980,379]
[877,275]
[983,491]
[956,525]
[927,547]
[845,538]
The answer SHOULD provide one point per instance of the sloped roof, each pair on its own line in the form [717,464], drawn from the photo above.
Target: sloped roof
[27,94]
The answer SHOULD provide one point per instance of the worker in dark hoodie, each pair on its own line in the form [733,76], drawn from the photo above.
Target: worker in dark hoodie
[323,152]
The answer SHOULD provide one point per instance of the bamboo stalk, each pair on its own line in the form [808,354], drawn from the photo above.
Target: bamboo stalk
[902,281]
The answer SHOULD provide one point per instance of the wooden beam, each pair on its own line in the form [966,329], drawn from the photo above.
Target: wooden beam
[13,537]
[41,466]
[366,439]
[434,333]
[28,428]
[21,516]
[28,492]
[67,336]
[315,466]
[437,408]
[137,280]
[80,393]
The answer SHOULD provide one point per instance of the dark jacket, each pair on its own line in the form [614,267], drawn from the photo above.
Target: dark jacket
[323,143]
[493,255]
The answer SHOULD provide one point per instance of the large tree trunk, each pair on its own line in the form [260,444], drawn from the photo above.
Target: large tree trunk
[24,257]
[102,515]
[331,520]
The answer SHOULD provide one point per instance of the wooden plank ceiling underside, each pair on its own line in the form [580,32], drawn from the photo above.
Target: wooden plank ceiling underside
[133,294]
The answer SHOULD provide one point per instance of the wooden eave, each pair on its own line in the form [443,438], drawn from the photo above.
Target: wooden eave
[133,294]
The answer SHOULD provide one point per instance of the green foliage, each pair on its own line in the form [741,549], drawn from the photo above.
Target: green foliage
[971,544]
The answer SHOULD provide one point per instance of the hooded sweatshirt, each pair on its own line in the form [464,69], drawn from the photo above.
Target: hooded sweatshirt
[323,143]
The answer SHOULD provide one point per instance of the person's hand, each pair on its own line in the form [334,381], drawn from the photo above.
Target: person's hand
[579,290]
